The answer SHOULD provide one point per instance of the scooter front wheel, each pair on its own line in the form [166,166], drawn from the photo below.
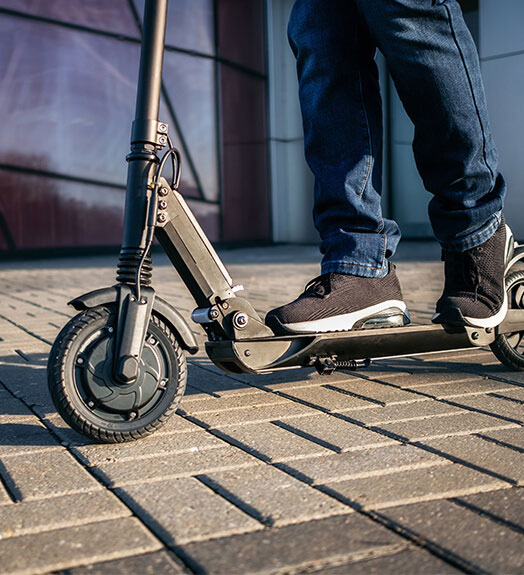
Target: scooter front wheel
[509,347]
[88,396]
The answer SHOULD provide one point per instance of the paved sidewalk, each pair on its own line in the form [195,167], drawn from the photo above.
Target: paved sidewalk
[412,466]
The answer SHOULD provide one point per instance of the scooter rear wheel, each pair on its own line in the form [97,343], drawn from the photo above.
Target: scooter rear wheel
[509,347]
[92,401]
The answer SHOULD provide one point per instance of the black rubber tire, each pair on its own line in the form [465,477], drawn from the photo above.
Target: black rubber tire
[65,391]
[501,347]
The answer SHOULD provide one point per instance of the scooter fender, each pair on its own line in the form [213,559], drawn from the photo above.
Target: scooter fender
[165,310]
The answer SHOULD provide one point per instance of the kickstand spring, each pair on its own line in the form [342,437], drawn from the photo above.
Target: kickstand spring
[327,365]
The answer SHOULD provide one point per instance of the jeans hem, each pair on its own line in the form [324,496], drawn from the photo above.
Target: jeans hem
[476,238]
[354,269]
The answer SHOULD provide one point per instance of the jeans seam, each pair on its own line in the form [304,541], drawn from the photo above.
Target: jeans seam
[480,233]
[484,142]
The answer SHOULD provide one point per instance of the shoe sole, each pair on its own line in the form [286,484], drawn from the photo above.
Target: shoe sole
[391,313]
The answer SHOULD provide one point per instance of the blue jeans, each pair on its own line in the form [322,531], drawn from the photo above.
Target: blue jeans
[434,64]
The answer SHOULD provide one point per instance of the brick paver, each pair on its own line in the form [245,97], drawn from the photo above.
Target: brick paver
[411,466]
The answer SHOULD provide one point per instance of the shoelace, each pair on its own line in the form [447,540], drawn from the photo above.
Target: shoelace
[319,286]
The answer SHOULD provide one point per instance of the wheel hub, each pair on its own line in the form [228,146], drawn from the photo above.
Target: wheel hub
[99,383]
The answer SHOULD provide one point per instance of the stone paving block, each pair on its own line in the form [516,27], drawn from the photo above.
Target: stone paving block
[404,412]
[495,405]
[59,512]
[328,399]
[426,376]
[25,436]
[173,466]
[464,388]
[487,455]
[498,552]
[177,424]
[59,427]
[157,563]
[272,496]
[198,405]
[150,447]
[378,392]
[215,383]
[184,509]
[506,505]
[4,496]
[293,548]
[297,378]
[29,383]
[516,394]
[47,474]
[253,415]
[510,437]
[407,561]
[334,433]
[455,424]
[12,409]
[271,443]
[73,546]
[412,486]
[365,463]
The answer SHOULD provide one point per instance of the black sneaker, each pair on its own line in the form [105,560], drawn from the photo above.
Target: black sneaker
[474,292]
[341,302]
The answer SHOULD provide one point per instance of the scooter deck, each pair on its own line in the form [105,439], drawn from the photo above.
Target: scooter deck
[282,352]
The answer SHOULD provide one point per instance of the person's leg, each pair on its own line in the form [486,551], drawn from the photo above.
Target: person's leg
[434,64]
[342,117]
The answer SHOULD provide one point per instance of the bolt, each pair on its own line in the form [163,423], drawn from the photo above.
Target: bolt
[143,300]
[225,305]
[163,191]
[91,404]
[163,384]
[247,353]
[489,330]
[162,140]
[240,320]
[80,360]
[131,415]
[475,335]
[152,340]
[162,128]
[161,218]
[213,314]
[110,330]
[162,204]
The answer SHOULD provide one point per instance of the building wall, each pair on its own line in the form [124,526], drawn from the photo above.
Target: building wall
[68,72]
[502,57]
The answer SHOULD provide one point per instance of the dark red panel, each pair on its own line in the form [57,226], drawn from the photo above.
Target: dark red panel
[241,32]
[245,186]
[245,198]
[107,15]
[41,212]
[190,24]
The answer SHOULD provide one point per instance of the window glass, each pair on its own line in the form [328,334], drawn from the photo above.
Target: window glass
[190,24]
[109,16]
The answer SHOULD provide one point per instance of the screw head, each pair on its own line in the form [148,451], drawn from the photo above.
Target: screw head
[152,340]
[162,128]
[162,204]
[163,191]
[475,335]
[225,305]
[163,384]
[131,415]
[489,330]
[162,140]
[247,352]
[161,218]
[80,360]
[213,314]
[110,330]
[240,320]
[91,404]
[143,300]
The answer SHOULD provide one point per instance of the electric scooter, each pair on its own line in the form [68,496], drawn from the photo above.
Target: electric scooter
[117,370]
